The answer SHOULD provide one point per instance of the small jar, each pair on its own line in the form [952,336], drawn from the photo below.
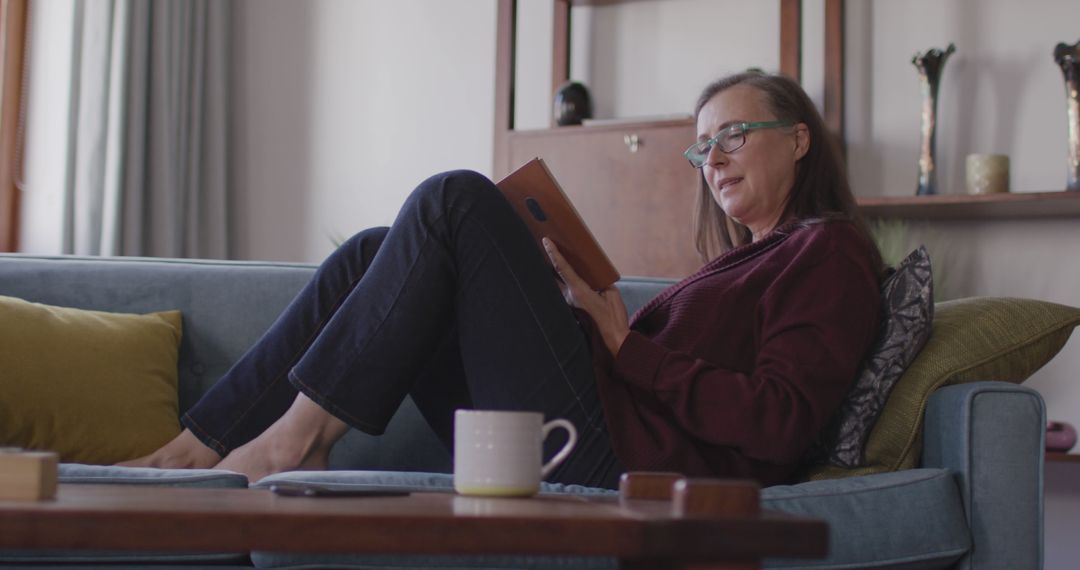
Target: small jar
[987,173]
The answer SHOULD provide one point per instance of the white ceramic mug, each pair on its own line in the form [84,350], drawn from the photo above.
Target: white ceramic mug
[499,453]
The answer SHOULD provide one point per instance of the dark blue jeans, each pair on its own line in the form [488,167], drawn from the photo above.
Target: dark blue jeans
[454,305]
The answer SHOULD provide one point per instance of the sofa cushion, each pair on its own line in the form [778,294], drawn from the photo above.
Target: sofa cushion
[637,291]
[95,387]
[907,519]
[114,475]
[405,480]
[85,559]
[97,474]
[983,338]
[907,309]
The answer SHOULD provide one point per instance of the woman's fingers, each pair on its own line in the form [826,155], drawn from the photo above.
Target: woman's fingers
[562,267]
[567,295]
[614,299]
[605,307]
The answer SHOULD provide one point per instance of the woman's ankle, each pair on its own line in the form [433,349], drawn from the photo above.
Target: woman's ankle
[309,422]
[193,452]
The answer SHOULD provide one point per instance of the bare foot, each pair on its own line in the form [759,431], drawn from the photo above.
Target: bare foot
[299,439]
[185,451]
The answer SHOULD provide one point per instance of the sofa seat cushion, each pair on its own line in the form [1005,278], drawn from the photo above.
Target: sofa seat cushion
[413,481]
[405,480]
[114,475]
[111,475]
[122,566]
[907,519]
[85,559]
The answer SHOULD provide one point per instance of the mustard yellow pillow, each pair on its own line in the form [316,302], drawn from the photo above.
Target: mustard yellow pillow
[981,338]
[94,387]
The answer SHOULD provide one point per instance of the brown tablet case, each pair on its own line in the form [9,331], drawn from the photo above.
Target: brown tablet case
[540,202]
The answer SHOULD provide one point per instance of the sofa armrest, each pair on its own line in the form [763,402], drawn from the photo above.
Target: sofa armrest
[992,436]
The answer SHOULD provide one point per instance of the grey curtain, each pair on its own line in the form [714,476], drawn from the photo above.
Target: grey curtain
[146,170]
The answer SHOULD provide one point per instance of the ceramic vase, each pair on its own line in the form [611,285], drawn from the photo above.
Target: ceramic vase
[929,64]
[1060,436]
[572,104]
[1068,58]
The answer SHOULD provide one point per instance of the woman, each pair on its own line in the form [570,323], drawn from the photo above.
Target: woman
[731,372]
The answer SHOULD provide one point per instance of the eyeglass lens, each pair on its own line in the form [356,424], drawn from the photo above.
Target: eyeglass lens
[728,141]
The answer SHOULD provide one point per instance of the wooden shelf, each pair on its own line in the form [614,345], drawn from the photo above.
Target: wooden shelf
[1058,457]
[605,126]
[600,2]
[1013,205]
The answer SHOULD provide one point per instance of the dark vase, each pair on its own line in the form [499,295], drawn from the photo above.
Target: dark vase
[1068,58]
[572,104]
[929,65]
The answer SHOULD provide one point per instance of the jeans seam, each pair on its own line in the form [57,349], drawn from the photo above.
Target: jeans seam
[323,402]
[213,442]
[292,361]
[532,311]
[397,297]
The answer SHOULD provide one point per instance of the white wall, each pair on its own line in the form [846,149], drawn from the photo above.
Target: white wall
[341,107]
[532,66]
[654,57]
[49,88]
[1001,91]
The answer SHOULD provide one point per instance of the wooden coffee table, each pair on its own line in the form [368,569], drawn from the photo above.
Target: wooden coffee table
[701,524]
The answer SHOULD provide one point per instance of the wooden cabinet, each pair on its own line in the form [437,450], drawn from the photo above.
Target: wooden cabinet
[631,185]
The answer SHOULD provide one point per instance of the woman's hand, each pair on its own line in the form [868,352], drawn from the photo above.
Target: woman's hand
[605,307]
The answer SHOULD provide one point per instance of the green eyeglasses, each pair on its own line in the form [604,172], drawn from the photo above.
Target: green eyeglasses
[728,140]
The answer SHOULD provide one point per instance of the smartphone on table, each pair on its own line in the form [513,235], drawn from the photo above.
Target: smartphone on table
[309,490]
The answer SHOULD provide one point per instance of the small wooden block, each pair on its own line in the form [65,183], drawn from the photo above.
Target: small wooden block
[28,475]
[716,497]
[653,485]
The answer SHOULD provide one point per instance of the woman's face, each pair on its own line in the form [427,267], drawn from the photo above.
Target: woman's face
[752,183]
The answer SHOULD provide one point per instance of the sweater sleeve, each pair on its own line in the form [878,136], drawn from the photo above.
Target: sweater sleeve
[814,325]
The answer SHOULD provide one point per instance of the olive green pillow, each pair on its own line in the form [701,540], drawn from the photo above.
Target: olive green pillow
[981,338]
[94,387]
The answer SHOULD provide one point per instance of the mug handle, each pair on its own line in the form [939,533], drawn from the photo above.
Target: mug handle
[565,451]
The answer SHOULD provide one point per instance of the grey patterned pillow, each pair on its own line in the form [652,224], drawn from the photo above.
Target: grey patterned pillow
[907,309]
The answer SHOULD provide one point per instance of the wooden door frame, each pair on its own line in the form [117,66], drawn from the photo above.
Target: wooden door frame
[13,34]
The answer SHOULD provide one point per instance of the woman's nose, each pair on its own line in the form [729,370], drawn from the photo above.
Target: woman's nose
[715,157]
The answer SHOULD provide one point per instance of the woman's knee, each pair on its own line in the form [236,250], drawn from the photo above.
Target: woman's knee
[364,244]
[456,185]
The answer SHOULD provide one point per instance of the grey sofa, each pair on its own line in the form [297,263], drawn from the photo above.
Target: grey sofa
[975,502]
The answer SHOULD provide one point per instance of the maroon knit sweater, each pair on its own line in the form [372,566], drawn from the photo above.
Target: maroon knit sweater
[733,371]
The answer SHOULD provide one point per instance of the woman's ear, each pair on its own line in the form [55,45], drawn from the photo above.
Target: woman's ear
[802,140]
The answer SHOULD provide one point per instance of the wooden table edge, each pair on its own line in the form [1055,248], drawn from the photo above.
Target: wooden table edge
[62,524]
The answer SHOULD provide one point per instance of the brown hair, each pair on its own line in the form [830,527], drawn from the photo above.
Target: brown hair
[820,192]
